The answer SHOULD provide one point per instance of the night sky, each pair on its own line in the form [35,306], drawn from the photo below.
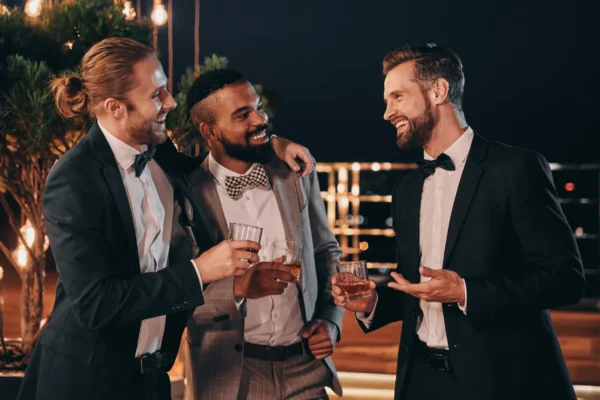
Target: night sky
[529,64]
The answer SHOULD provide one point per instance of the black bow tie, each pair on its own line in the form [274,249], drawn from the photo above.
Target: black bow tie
[443,161]
[142,159]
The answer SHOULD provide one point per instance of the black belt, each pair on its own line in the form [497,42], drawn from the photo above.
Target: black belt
[438,359]
[272,353]
[152,362]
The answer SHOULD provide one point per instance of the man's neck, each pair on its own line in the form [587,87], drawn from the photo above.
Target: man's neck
[119,133]
[232,164]
[445,132]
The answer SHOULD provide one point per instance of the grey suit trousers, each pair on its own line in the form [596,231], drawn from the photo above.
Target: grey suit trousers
[298,378]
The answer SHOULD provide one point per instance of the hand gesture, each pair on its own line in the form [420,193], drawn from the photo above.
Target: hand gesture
[445,286]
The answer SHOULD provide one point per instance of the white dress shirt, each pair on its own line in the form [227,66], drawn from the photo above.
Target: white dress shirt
[437,200]
[151,201]
[270,320]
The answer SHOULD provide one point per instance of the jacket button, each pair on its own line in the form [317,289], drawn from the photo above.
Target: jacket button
[238,347]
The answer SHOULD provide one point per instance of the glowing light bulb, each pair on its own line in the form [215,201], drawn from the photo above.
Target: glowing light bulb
[33,8]
[129,11]
[159,15]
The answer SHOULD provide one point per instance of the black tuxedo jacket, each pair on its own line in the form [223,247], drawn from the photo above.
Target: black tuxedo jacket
[510,241]
[101,296]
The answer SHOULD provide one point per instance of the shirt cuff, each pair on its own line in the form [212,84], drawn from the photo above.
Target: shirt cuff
[368,319]
[464,308]
[239,302]
[198,273]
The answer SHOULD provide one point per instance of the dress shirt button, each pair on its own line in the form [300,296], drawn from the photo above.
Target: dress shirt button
[275,315]
[238,347]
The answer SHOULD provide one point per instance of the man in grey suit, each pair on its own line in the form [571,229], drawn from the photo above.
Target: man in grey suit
[264,335]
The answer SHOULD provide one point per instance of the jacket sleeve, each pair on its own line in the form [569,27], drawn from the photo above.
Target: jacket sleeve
[553,273]
[327,254]
[74,212]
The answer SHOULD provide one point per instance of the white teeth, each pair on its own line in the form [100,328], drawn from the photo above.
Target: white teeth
[401,123]
[258,136]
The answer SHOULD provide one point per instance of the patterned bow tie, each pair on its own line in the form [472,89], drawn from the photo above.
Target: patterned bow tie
[443,161]
[235,184]
[142,159]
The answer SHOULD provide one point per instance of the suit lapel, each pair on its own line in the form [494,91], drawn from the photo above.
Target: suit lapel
[203,187]
[115,184]
[466,189]
[286,188]
[409,225]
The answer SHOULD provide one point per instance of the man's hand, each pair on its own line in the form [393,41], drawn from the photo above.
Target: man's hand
[445,286]
[263,279]
[319,342]
[366,304]
[289,152]
[228,258]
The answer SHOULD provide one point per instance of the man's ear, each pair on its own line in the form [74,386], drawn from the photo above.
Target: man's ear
[207,131]
[439,91]
[115,108]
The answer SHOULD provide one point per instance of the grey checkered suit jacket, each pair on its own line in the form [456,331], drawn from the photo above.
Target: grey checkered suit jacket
[215,334]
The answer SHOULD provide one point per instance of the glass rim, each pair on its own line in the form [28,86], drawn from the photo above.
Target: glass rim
[244,225]
[350,263]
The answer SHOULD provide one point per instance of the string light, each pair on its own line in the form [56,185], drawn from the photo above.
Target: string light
[129,11]
[33,8]
[159,14]
[69,45]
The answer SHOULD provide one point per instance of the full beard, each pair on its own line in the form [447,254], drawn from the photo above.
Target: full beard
[262,154]
[421,129]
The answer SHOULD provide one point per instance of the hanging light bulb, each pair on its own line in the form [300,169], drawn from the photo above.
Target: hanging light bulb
[29,233]
[21,255]
[129,11]
[33,8]
[159,14]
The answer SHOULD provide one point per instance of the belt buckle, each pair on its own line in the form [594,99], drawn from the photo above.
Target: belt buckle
[142,358]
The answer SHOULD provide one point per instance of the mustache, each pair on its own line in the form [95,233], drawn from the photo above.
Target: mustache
[257,130]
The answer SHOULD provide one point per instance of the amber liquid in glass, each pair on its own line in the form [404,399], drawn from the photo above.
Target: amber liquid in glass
[354,287]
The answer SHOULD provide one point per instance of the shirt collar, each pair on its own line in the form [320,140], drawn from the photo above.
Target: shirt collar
[221,173]
[459,150]
[124,153]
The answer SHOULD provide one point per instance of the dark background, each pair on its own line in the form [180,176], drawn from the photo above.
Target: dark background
[530,66]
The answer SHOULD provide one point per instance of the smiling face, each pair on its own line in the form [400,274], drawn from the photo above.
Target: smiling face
[240,124]
[407,107]
[148,104]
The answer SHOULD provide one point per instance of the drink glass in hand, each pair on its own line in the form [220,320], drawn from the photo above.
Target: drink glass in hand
[291,254]
[239,231]
[353,279]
